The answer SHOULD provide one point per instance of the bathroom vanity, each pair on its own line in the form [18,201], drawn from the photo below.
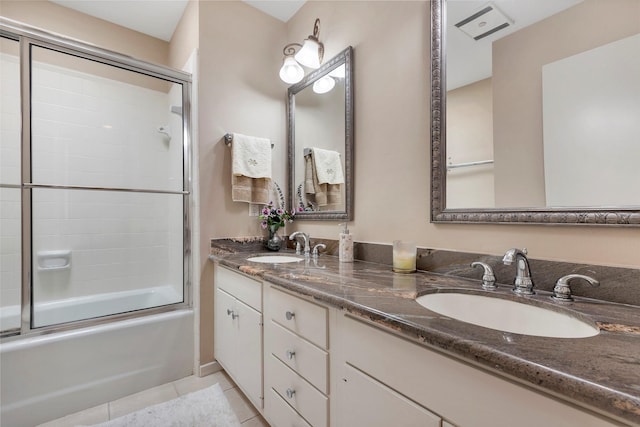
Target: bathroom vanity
[347,345]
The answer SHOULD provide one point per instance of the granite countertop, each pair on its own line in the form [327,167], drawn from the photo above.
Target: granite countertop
[600,372]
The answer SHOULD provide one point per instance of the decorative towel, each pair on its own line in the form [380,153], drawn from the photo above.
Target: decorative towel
[319,195]
[328,166]
[251,156]
[250,169]
[250,190]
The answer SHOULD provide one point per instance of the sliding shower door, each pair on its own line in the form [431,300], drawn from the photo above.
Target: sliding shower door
[95,185]
[10,188]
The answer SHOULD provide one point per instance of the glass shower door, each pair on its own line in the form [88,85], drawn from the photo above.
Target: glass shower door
[107,189]
[10,189]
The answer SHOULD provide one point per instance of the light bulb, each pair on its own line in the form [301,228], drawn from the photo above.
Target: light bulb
[324,85]
[291,72]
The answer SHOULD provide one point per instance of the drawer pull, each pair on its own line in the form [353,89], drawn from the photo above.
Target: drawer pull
[290,393]
[289,315]
[232,314]
[290,354]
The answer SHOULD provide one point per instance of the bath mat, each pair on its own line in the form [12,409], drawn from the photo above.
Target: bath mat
[204,408]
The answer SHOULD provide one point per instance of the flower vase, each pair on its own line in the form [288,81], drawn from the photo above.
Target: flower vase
[274,242]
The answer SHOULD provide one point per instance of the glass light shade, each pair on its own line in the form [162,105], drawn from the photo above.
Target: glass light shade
[324,85]
[339,72]
[308,54]
[291,72]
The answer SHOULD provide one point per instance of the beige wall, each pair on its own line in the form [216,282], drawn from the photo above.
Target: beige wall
[70,23]
[517,81]
[240,54]
[185,38]
[470,139]
[391,63]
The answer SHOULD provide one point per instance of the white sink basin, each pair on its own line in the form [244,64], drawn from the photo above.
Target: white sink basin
[506,315]
[274,259]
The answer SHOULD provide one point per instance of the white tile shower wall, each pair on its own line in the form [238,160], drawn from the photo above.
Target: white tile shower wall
[92,131]
[9,119]
[10,247]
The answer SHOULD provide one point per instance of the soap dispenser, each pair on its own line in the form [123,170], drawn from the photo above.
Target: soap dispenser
[345,244]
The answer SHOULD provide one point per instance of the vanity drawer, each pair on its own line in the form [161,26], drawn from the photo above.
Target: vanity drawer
[312,405]
[281,414]
[300,316]
[300,355]
[243,288]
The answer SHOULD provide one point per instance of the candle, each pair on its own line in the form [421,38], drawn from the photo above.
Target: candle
[404,257]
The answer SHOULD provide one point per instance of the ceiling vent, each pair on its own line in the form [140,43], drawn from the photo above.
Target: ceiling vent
[486,21]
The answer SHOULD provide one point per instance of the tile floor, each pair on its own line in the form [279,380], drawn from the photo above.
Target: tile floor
[244,410]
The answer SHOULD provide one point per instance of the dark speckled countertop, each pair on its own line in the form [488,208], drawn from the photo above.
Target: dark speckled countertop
[600,372]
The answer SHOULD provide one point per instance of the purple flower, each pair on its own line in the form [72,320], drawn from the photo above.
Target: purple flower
[263,224]
[265,211]
[279,211]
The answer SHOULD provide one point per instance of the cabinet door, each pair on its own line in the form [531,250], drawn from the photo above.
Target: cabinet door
[367,402]
[224,330]
[248,358]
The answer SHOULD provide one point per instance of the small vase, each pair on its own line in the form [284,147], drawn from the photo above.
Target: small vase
[274,242]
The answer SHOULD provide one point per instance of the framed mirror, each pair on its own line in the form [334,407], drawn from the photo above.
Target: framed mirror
[534,113]
[320,141]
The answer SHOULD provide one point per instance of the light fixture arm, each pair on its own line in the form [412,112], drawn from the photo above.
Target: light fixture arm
[291,49]
[316,37]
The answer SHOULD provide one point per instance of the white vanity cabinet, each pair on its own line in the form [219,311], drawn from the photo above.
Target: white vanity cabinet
[325,367]
[296,360]
[238,330]
[382,377]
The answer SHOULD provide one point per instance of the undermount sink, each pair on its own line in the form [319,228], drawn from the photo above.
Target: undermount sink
[507,315]
[274,259]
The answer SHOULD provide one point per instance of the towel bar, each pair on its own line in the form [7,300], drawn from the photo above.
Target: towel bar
[228,139]
[465,165]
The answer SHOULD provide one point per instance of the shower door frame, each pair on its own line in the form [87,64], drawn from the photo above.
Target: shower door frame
[27,37]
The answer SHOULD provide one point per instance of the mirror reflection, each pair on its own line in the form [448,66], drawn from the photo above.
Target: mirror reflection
[542,104]
[321,141]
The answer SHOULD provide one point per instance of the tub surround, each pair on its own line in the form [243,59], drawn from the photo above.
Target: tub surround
[594,372]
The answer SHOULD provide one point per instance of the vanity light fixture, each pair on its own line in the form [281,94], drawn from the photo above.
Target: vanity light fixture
[309,54]
[324,85]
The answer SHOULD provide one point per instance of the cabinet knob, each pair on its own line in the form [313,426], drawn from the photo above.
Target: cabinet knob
[290,393]
[290,354]
[289,315]
[232,314]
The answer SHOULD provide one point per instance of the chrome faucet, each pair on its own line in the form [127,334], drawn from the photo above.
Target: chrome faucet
[523,285]
[305,238]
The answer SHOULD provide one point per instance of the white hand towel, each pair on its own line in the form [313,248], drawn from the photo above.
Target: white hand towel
[251,156]
[328,166]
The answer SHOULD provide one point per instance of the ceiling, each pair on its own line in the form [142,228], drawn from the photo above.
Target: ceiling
[469,60]
[159,18]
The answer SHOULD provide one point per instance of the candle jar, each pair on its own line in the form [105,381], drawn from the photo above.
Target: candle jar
[404,257]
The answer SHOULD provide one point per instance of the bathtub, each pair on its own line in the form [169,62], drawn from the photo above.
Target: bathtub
[48,376]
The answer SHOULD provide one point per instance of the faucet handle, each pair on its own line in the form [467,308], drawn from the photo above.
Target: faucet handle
[562,289]
[315,249]
[488,278]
